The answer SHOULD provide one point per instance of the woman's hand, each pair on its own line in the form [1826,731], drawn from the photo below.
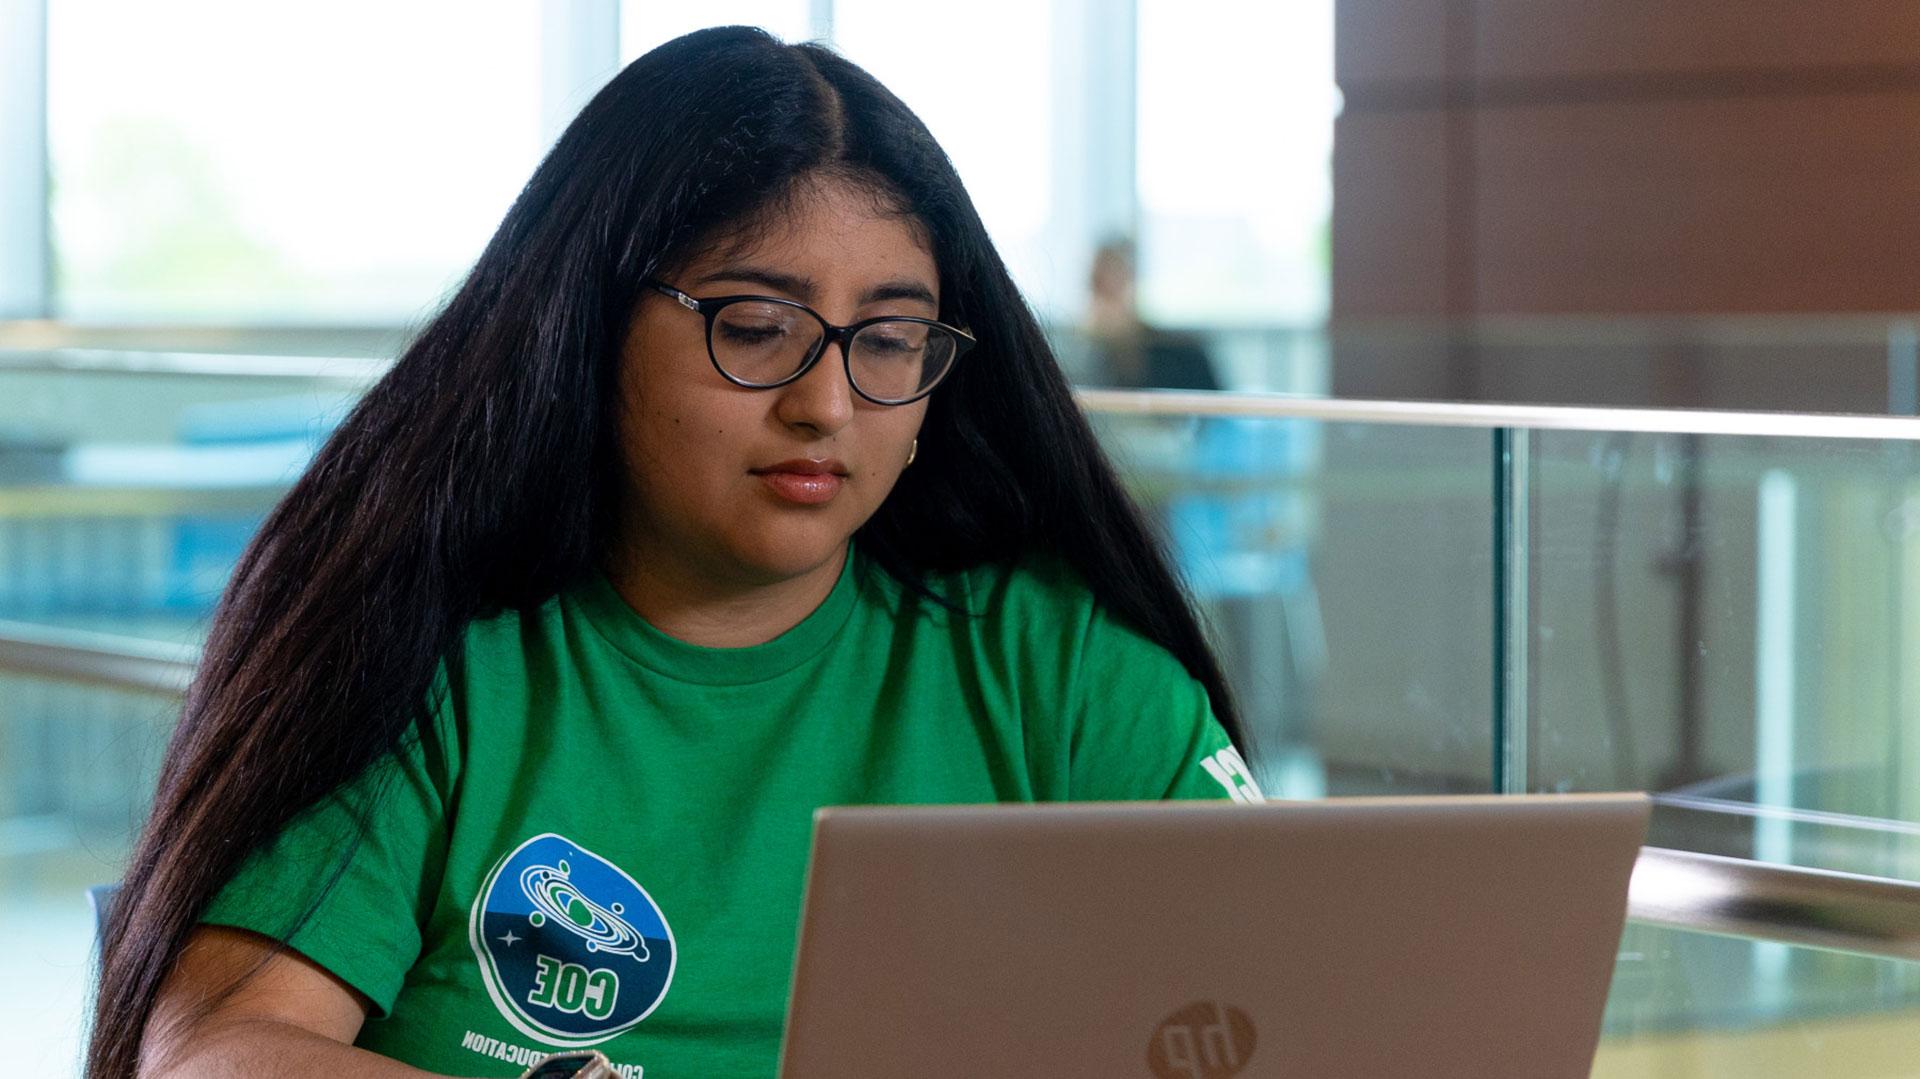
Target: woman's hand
[289,1019]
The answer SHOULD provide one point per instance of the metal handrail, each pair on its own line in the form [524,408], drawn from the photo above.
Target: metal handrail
[1186,403]
[1705,893]
[346,369]
[360,370]
[97,659]
[1814,908]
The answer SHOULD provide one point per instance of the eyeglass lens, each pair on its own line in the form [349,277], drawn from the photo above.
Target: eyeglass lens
[763,343]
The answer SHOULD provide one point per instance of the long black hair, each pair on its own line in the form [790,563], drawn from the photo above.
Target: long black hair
[482,472]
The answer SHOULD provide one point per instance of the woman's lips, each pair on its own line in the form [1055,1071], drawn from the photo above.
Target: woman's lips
[809,490]
[807,483]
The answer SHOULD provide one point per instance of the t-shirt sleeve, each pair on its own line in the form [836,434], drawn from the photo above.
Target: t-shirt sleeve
[370,854]
[1144,727]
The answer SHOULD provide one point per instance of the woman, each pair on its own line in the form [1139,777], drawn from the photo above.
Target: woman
[735,480]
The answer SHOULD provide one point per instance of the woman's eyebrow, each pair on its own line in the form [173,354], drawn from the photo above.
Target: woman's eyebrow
[904,288]
[791,284]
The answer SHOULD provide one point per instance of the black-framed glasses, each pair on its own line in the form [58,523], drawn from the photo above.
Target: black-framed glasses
[761,342]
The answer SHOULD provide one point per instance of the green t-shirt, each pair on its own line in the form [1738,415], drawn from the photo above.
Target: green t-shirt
[603,839]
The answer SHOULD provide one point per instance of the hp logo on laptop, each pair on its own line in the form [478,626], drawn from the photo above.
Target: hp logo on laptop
[1204,1040]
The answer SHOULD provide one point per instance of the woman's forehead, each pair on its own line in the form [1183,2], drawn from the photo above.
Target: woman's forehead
[827,228]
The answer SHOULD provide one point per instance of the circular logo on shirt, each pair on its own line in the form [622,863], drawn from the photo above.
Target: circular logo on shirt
[572,950]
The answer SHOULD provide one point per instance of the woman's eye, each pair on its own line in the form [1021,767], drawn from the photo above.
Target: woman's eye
[748,333]
[888,344]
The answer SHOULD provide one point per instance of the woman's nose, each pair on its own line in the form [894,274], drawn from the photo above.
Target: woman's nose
[821,399]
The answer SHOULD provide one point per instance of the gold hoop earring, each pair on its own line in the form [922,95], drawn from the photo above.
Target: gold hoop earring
[913,451]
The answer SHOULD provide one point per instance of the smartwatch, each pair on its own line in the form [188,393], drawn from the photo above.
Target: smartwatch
[588,1065]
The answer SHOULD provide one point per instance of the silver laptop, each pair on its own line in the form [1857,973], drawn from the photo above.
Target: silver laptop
[1352,937]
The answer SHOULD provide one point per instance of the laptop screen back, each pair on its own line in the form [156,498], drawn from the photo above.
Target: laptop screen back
[1364,937]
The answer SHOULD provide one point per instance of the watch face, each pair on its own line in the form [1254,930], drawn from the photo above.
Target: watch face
[570,1066]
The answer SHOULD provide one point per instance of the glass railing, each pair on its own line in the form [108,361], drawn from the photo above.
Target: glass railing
[1408,598]
[1716,607]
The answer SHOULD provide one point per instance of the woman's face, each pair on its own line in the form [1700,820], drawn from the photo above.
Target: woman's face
[741,487]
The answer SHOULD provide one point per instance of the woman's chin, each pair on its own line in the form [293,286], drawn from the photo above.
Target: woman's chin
[792,558]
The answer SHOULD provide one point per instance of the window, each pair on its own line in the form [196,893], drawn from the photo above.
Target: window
[647,23]
[1236,108]
[232,161]
[221,161]
[983,84]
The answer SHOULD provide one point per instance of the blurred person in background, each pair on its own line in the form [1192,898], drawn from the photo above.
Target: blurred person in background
[1125,352]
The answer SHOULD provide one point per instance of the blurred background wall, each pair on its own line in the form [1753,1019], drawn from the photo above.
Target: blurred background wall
[1678,182]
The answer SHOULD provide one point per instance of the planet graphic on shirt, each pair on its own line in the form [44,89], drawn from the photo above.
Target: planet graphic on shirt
[603,929]
[571,949]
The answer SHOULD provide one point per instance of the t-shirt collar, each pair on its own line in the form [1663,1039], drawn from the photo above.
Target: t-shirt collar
[603,608]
